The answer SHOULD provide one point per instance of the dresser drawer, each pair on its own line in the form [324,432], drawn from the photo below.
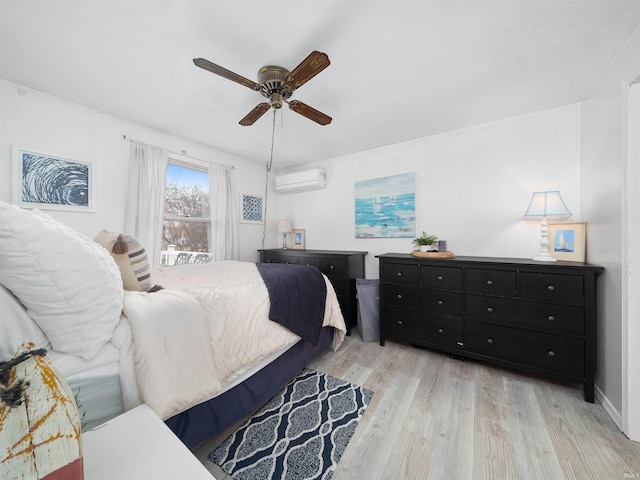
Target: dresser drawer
[552,287]
[446,303]
[554,353]
[420,326]
[449,278]
[433,301]
[336,267]
[546,317]
[400,273]
[403,296]
[491,282]
[309,261]
[275,258]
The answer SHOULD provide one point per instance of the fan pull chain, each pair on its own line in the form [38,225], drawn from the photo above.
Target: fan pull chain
[273,140]
[266,179]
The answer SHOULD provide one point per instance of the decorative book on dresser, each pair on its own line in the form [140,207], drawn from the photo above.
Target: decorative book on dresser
[341,267]
[538,317]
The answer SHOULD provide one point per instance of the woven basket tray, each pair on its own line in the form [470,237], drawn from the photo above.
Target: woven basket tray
[418,253]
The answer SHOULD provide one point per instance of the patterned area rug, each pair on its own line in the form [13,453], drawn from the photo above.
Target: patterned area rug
[300,434]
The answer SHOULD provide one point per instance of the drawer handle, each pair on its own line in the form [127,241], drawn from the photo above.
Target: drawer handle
[489,282]
[399,274]
[399,322]
[439,277]
[551,288]
[490,341]
[489,309]
[551,353]
[551,318]
[331,267]
[399,297]
[440,330]
[440,302]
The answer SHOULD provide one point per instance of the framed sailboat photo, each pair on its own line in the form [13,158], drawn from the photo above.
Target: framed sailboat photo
[567,241]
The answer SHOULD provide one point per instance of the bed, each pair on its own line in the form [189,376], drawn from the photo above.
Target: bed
[209,348]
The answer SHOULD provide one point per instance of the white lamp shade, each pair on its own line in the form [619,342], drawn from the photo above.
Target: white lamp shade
[547,204]
[284,226]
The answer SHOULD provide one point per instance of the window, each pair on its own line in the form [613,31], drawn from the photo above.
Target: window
[187,218]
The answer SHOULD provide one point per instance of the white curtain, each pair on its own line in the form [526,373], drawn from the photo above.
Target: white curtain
[224,214]
[145,201]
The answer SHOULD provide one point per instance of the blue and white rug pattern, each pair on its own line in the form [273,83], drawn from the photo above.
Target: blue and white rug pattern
[300,434]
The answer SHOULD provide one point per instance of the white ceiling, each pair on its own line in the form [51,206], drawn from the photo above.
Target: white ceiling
[399,70]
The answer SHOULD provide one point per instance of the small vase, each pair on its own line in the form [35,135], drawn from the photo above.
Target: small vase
[424,248]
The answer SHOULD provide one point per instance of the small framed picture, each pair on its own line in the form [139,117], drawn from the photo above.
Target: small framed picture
[252,209]
[567,241]
[52,182]
[299,239]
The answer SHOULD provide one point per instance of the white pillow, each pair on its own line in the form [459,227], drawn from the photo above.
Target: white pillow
[70,285]
[17,327]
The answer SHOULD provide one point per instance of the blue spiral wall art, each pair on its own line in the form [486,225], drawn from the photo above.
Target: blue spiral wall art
[49,181]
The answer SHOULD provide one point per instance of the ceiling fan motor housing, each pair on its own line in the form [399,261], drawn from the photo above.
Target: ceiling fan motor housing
[271,79]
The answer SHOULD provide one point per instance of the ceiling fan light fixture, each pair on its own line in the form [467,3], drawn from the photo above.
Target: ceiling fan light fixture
[276,100]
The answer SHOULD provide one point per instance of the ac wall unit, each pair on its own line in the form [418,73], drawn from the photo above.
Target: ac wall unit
[314,179]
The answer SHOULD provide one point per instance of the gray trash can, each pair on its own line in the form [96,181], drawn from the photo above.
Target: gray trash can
[368,292]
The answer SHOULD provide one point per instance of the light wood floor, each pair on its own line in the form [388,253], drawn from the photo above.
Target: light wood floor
[434,417]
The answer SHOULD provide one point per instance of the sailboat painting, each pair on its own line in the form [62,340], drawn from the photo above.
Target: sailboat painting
[568,241]
[386,207]
[564,241]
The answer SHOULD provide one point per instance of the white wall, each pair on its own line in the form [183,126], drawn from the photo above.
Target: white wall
[604,130]
[50,125]
[472,187]
[631,329]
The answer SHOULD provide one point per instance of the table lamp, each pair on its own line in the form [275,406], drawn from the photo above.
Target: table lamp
[284,227]
[543,205]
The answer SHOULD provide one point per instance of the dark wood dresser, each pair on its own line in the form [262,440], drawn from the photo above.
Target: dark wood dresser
[532,316]
[341,268]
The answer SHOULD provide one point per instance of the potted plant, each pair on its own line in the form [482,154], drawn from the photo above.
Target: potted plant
[426,242]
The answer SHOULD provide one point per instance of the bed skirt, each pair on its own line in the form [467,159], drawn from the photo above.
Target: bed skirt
[214,416]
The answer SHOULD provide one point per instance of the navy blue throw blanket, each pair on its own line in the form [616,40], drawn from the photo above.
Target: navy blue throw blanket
[298,295]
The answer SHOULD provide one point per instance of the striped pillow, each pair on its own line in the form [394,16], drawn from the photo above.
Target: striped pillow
[131,258]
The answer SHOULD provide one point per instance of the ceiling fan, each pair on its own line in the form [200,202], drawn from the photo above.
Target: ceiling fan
[277,84]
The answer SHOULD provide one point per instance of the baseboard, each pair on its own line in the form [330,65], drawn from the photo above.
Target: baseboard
[609,408]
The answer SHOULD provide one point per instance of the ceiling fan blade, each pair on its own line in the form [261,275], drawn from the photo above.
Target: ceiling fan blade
[308,68]
[251,117]
[228,74]
[309,112]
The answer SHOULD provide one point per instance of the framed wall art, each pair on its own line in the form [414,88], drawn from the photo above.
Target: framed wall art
[567,241]
[252,209]
[51,182]
[298,239]
[386,207]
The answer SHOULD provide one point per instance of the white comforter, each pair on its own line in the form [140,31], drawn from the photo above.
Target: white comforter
[210,322]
